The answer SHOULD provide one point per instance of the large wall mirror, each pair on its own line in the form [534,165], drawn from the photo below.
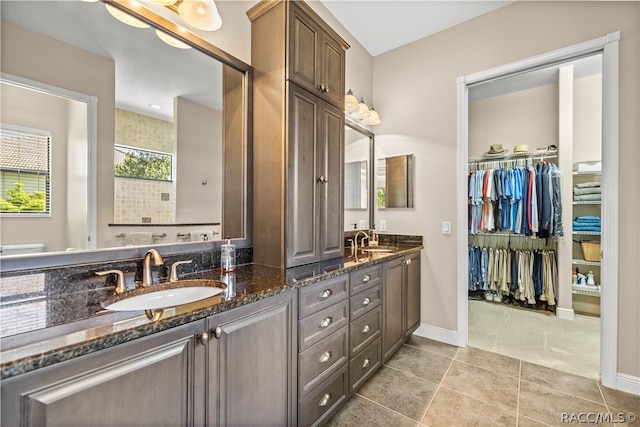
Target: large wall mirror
[139,142]
[358,177]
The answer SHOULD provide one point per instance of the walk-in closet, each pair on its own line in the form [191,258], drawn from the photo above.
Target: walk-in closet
[534,221]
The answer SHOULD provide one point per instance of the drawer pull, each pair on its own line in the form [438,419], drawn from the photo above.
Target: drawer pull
[203,338]
[325,322]
[325,294]
[366,278]
[366,363]
[217,332]
[325,400]
[365,329]
[366,301]
[325,357]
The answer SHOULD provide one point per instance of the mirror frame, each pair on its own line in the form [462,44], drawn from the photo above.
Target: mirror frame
[60,259]
[352,124]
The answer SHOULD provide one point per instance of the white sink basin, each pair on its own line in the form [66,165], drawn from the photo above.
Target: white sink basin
[163,296]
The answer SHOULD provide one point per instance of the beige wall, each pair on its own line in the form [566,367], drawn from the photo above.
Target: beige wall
[525,117]
[198,159]
[587,118]
[36,110]
[81,72]
[422,117]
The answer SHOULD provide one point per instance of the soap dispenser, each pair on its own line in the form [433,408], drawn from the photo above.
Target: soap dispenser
[228,257]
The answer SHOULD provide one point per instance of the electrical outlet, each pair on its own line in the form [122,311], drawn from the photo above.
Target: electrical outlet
[383,225]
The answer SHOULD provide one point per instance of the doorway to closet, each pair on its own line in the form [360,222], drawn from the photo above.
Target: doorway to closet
[521,118]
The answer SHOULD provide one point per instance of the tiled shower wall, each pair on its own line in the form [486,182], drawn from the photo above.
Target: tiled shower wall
[139,200]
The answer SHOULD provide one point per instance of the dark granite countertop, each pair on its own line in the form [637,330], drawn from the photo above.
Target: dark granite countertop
[101,329]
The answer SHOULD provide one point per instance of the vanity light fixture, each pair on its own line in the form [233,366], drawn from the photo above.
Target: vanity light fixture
[125,18]
[350,102]
[199,14]
[360,110]
[373,119]
[171,41]
[363,110]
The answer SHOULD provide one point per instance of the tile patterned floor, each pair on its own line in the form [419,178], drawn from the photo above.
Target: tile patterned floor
[427,383]
[537,336]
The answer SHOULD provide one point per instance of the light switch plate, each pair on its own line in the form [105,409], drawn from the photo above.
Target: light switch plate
[383,225]
[446,227]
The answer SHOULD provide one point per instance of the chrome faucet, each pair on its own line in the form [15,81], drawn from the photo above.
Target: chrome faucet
[366,236]
[146,266]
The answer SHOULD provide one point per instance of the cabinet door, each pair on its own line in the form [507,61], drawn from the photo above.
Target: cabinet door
[392,315]
[151,381]
[252,364]
[412,280]
[332,70]
[302,239]
[331,166]
[303,50]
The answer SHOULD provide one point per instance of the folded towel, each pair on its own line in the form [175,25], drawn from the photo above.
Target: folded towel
[587,218]
[587,197]
[587,190]
[588,184]
[592,229]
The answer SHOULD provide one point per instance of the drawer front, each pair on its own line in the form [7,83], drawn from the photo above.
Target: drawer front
[365,330]
[366,301]
[318,406]
[315,297]
[315,327]
[365,278]
[322,359]
[365,364]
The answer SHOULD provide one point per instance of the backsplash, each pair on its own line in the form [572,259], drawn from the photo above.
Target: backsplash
[49,297]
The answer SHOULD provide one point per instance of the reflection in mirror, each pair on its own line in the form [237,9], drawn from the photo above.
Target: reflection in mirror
[394,182]
[112,80]
[358,187]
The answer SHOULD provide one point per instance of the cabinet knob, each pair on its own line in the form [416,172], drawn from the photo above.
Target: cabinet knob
[407,261]
[325,357]
[366,278]
[366,301]
[325,294]
[325,322]
[366,363]
[325,400]
[217,332]
[323,179]
[203,338]
[366,329]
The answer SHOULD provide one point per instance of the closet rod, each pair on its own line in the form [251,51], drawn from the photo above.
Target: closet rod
[512,158]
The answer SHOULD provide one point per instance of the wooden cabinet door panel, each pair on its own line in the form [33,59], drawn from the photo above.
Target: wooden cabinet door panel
[392,316]
[412,270]
[303,48]
[302,199]
[331,166]
[252,364]
[150,381]
[332,70]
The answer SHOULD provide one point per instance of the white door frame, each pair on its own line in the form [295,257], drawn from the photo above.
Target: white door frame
[608,46]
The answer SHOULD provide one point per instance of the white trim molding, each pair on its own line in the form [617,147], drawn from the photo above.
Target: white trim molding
[608,47]
[628,384]
[436,333]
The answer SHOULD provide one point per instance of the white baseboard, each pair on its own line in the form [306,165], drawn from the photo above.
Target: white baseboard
[565,313]
[628,384]
[436,333]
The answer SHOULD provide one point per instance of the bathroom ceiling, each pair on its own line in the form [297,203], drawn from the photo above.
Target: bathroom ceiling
[383,25]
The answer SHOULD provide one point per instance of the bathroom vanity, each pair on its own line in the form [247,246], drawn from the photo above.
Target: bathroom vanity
[288,349]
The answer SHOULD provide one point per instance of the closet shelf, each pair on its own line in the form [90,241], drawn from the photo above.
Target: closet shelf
[584,262]
[590,290]
[587,202]
[588,173]
[588,233]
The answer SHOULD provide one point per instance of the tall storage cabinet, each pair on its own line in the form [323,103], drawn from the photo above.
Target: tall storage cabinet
[299,68]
